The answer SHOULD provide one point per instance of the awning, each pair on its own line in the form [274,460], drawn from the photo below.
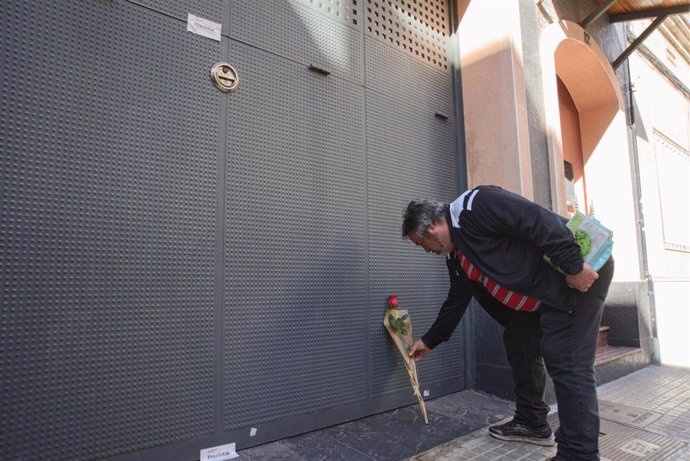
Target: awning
[676,29]
[630,10]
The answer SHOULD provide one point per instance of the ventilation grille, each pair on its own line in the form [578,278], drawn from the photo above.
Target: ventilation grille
[342,10]
[417,27]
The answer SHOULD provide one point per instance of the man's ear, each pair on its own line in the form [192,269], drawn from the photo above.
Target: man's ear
[438,227]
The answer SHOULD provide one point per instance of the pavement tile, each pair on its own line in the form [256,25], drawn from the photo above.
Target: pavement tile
[645,416]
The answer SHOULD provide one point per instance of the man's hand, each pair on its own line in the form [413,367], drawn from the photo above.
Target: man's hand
[583,279]
[419,350]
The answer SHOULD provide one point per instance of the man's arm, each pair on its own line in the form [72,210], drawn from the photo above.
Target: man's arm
[449,316]
[510,214]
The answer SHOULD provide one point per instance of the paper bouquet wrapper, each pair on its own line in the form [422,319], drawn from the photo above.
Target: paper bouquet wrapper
[405,342]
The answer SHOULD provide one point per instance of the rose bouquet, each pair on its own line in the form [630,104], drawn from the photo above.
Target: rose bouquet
[399,326]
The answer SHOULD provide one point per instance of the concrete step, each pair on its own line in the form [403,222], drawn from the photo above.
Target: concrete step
[606,354]
[603,338]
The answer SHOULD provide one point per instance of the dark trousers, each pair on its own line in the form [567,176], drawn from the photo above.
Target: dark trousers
[567,342]
[522,339]
[569,345]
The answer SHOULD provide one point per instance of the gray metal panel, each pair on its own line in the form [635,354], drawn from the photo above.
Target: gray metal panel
[296,267]
[303,33]
[418,29]
[207,9]
[345,11]
[108,176]
[396,74]
[410,155]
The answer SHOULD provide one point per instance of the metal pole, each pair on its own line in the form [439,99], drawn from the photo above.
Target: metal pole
[596,14]
[638,41]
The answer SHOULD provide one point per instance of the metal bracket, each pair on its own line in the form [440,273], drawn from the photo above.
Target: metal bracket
[319,70]
[596,14]
[638,41]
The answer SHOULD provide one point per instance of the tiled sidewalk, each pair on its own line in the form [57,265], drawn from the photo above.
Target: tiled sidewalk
[390,436]
[644,416]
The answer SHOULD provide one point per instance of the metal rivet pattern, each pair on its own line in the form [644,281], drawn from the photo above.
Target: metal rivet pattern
[419,28]
[110,221]
[296,242]
[409,155]
[108,205]
[207,9]
[342,10]
[404,77]
[299,32]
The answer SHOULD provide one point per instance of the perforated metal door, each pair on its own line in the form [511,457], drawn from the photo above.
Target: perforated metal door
[179,265]
[319,171]
[296,242]
[108,172]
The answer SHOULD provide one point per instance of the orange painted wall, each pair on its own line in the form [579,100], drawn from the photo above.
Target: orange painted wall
[572,144]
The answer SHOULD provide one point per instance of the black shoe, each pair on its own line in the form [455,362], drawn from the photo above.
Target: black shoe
[514,431]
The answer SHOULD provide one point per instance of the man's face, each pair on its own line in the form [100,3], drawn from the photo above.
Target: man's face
[437,239]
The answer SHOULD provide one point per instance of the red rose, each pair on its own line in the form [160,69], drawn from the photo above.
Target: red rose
[392,302]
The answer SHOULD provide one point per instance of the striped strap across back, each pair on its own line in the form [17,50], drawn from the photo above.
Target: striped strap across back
[506,297]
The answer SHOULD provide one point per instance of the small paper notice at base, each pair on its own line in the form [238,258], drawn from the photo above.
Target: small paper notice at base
[203,27]
[219,453]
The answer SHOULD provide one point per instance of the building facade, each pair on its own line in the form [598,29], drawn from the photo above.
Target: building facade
[660,77]
[185,266]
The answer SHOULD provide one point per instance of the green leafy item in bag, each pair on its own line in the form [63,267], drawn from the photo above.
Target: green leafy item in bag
[584,241]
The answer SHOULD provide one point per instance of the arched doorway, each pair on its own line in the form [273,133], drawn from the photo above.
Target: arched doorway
[585,122]
[588,102]
[573,161]
[583,101]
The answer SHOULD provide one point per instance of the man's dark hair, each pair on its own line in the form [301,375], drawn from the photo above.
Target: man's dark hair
[420,214]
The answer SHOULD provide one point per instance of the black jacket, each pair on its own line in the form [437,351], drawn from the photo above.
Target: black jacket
[506,236]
